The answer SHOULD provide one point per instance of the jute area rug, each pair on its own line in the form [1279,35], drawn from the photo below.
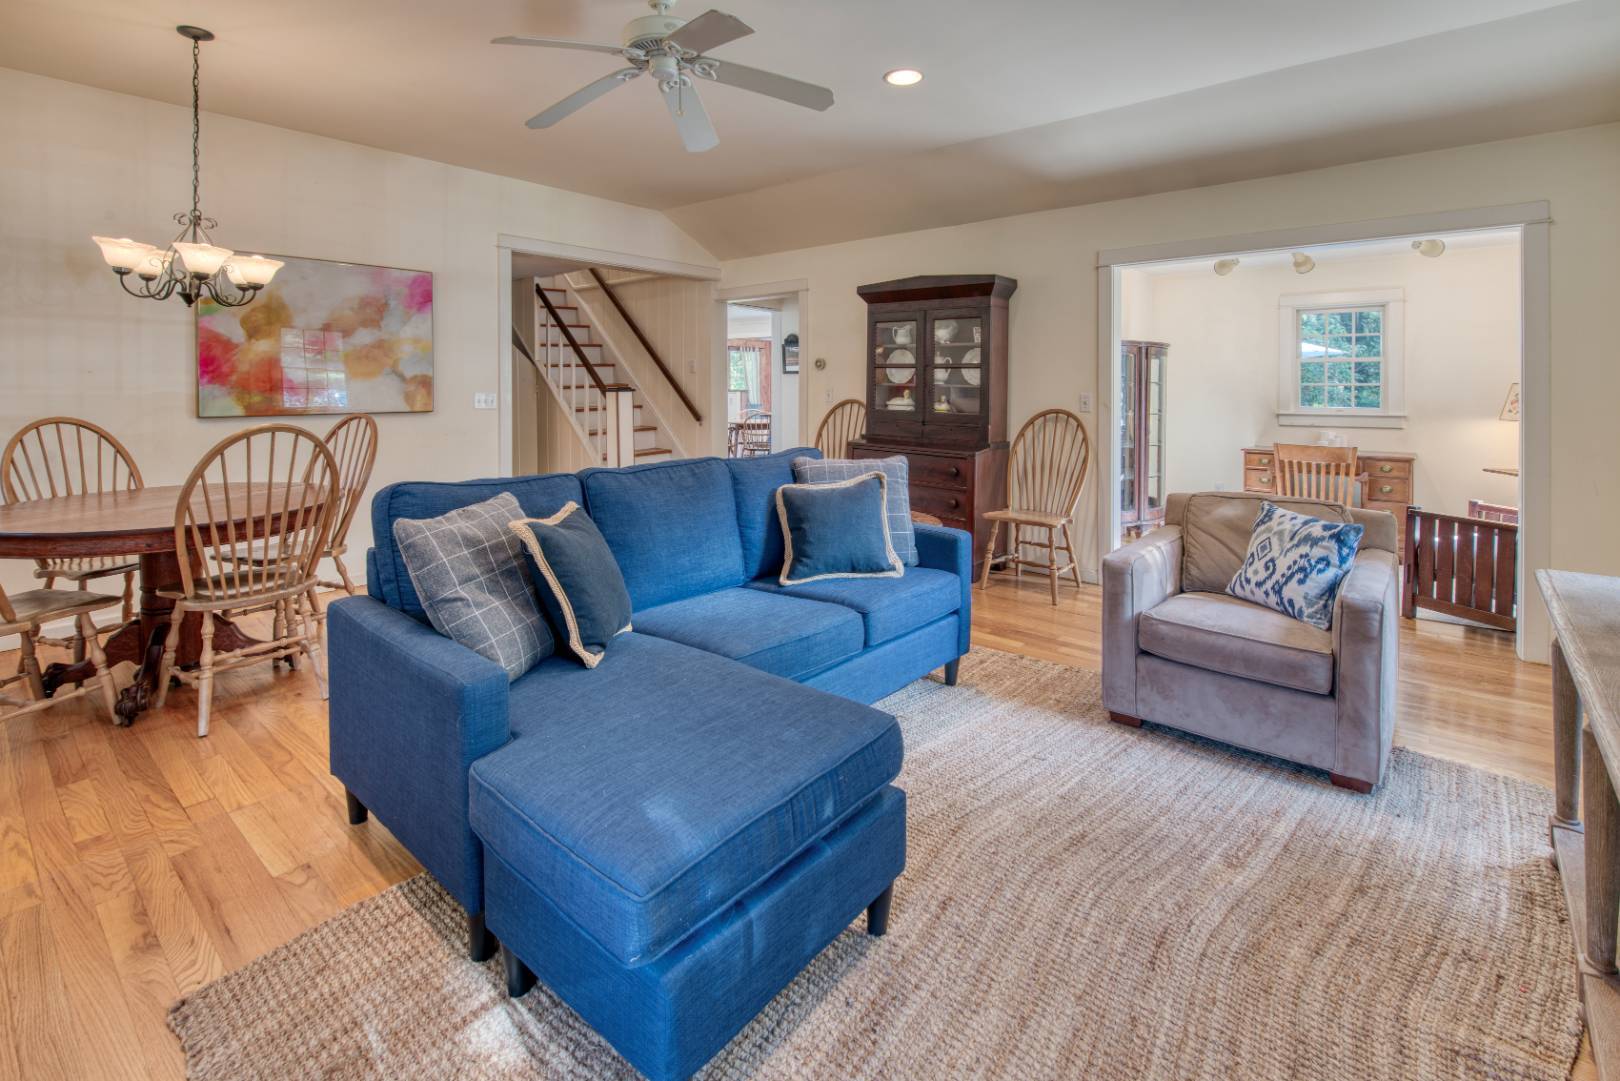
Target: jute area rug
[1081,900]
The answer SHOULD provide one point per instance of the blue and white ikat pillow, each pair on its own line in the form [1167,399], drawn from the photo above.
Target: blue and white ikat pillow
[1295,564]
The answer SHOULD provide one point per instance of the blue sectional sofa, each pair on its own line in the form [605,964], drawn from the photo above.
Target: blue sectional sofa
[668,838]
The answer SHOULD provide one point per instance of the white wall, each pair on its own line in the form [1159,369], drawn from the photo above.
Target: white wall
[1461,353]
[80,161]
[786,420]
[1054,312]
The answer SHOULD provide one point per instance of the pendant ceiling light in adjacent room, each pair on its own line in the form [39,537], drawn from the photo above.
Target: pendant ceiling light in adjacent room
[192,266]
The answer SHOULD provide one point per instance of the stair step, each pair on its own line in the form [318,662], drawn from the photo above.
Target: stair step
[650,451]
[594,408]
[639,428]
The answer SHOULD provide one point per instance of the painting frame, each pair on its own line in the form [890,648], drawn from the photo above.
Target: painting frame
[326,337]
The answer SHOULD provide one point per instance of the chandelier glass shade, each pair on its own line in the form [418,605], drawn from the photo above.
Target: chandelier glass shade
[192,266]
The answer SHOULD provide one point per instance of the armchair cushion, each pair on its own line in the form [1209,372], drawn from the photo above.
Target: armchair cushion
[1224,634]
[1217,527]
[1295,564]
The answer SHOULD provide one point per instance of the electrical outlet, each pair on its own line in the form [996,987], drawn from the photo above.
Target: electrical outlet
[1085,401]
[484,401]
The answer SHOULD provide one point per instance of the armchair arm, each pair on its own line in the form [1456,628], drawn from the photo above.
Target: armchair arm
[411,710]
[1135,578]
[946,549]
[1366,650]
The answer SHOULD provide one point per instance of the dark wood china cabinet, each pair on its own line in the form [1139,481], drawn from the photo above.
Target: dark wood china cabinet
[936,392]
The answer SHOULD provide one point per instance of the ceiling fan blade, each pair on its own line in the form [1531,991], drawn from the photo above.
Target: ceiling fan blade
[581,98]
[770,84]
[558,43]
[691,119]
[709,31]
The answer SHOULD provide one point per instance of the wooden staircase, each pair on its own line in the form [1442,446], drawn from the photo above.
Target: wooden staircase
[587,380]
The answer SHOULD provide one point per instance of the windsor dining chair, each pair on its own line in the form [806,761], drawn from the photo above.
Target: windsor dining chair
[1046,472]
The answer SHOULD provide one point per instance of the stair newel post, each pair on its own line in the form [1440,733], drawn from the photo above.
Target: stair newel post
[620,409]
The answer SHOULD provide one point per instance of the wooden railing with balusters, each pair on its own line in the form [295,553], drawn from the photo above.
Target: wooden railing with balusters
[1463,567]
[612,441]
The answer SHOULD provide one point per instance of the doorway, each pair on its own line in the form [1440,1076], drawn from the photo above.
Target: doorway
[763,339]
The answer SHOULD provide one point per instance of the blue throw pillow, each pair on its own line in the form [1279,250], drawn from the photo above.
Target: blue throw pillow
[1295,564]
[837,530]
[578,580]
[897,469]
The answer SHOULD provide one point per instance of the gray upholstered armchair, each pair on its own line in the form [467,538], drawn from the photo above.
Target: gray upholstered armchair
[1179,651]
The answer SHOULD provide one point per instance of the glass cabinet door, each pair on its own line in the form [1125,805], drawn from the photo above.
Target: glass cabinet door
[897,370]
[1130,393]
[957,366]
[1153,461]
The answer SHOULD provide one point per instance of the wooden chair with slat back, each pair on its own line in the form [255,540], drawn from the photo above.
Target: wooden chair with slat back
[1046,472]
[754,434]
[1306,471]
[353,443]
[64,456]
[844,423]
[250,526]
[24,615]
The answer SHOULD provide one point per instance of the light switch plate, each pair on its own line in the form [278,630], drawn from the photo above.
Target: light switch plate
[1085,401]
[483,401]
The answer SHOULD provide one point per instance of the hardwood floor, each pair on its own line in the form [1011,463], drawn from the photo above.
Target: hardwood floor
[138,864]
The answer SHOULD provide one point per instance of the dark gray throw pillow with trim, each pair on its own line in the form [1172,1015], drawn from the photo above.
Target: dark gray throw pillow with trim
[579,582]
[467,567]
[836,530]
[902,534]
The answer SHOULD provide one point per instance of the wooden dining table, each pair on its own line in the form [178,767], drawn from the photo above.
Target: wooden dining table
[139,522]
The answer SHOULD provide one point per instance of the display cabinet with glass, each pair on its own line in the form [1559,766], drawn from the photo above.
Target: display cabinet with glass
[1141,435]
[937,391]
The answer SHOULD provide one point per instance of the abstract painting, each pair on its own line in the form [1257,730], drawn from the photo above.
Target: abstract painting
[322,337]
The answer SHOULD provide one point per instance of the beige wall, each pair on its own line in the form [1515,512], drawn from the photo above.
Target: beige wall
[1054,313]
[80,161]
[1461,353]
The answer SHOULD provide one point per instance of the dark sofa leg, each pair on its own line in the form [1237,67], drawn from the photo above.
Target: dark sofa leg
[877,913]
[480,943]
[357,810]
[1125,719]
[950,672]
[1354,784]
[518,977]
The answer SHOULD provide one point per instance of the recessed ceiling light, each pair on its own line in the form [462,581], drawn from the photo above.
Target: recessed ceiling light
[903,77]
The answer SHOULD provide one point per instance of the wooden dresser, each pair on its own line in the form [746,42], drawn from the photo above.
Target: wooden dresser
[1388,483]
[936,358]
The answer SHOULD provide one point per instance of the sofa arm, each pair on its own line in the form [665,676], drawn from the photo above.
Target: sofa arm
[943,548]
[1366,650]
[410,711]
[1135,578]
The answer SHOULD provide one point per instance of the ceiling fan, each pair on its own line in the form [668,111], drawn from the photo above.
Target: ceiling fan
[673,52]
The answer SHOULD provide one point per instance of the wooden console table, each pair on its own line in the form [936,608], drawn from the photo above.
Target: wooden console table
[1585,611]
[1386,480]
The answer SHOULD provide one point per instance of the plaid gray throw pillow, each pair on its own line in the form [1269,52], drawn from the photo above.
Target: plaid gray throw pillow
[898,472]
[467,567]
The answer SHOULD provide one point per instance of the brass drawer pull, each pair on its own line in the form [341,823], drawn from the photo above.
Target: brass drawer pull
[1385,489]
[1265,478]
[1386,468]
[1265,461]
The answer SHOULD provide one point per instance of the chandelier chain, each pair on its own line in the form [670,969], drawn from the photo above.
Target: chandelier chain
[196,126]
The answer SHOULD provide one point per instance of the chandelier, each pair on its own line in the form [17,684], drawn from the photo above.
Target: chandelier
[193,265]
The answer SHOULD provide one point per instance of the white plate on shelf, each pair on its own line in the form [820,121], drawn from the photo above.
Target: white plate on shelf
[971,375]
[902,356]
[901,375]
[971,356]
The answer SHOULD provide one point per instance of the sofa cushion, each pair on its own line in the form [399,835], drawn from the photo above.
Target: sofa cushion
[1295,564]
[897,492]
[577,580]
[386,577]
[1215,531]
[467,567]
[672,527]
[754,482]
[1223,634]
[785,636]
[643,797]
[889,607]
[836,530]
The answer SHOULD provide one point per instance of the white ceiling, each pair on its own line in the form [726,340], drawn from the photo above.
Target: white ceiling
[419,77]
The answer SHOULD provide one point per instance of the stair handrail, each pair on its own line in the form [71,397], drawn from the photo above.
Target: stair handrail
[635,330]
[573,344]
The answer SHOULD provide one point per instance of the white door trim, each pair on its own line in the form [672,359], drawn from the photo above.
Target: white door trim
[792,286]
[1534,635]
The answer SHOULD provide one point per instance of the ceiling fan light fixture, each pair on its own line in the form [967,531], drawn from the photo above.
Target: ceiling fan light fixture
[903,77]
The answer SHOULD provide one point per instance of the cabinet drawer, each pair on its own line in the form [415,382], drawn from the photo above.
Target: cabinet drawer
[1258,460]
[1387,489]
[940,472]
[1259,480]
[1381,468]
[947,504]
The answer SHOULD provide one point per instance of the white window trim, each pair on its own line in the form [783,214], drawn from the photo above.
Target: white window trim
[1290,413]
